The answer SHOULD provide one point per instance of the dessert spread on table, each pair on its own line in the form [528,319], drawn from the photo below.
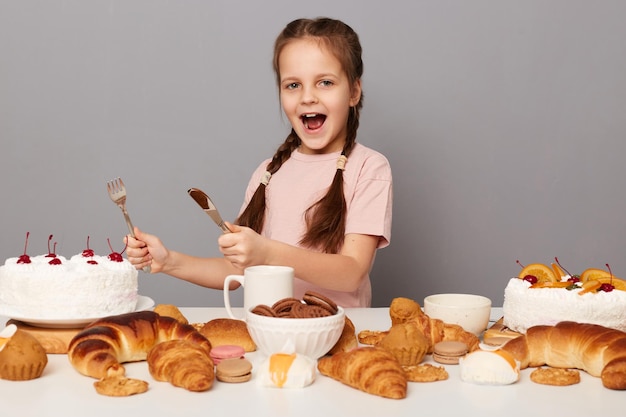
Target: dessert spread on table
[380,362]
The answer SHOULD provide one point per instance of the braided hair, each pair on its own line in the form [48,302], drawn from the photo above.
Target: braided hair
[326,218]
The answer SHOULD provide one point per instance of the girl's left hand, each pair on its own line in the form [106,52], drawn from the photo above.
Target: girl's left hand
[243,247]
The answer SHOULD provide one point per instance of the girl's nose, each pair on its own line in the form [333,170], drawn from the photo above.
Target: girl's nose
[308,96]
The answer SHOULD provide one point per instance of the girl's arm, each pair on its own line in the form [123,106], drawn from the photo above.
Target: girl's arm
[147,249]
[344,271]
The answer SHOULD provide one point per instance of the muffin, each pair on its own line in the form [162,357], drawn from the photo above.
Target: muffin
[22,357]
[403,309]
[406,342]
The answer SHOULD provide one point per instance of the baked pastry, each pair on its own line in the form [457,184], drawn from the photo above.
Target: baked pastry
[183,363]
[225,331]
[406,342]
[170,310]
[598,350]
[370,369]
[347,341]
[101,348]
[404,309]
[22,357]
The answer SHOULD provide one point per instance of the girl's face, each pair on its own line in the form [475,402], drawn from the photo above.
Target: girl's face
[316,95]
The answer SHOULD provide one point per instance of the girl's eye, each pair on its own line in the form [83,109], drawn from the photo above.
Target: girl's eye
[326,83]
[291,86]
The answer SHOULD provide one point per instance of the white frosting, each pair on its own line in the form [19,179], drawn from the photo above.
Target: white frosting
[488,368]
[525,307]
[74,289]
[299,374]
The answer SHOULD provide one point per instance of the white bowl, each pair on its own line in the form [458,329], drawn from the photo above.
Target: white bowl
[312,337]
[467,310]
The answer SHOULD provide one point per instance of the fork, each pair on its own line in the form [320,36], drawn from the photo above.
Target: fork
[117,192]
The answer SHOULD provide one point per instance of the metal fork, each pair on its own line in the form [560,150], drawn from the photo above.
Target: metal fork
[117,192]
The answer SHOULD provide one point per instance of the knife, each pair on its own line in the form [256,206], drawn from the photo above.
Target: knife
[209,208]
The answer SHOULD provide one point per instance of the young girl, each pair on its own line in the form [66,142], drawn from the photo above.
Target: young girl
[322,204]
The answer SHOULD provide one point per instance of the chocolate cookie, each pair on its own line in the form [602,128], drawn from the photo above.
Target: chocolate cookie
[313,298]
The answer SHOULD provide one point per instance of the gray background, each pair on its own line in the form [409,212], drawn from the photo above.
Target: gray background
[504,123]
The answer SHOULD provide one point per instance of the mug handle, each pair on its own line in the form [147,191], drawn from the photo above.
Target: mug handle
[227,281]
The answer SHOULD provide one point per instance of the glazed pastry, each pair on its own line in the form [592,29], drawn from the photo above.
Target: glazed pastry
[370,369]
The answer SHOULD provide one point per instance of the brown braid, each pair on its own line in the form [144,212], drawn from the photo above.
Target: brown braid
[325,219]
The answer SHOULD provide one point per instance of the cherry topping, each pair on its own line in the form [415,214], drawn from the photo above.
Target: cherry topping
[88,253]
[55,261]
[24,258]
[531,278]
[51,254]
[114,256]
[574,278]
[607,286]
[92,262]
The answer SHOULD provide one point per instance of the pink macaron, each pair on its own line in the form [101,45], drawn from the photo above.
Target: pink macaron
[219,353]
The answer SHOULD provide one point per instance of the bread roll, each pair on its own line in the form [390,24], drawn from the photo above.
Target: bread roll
[598,350]
[102,347]
[225,331]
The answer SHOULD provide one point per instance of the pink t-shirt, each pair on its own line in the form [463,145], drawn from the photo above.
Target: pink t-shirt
[303,179]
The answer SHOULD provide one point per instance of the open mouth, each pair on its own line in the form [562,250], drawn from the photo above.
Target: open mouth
[313,121]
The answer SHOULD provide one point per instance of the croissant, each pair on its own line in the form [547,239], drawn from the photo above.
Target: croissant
[598,350]
[100,349]
[370,369]
[183,363]
[435,330]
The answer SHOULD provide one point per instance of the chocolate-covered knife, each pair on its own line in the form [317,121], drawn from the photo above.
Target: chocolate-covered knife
[209,208]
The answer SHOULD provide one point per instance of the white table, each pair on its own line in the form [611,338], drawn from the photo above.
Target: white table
[63,391]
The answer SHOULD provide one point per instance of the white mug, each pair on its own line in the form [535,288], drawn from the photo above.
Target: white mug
[262,284]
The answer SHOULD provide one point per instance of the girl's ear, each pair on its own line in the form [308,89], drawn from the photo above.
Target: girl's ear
[356,93]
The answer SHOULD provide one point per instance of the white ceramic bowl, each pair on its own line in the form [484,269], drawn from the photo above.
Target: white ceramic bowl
[467,310]
[312,337]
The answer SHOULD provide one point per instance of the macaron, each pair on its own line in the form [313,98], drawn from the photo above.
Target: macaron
[219,353]
[449,352]
[234,370]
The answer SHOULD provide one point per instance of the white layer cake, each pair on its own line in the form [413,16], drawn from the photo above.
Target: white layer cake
[525,307]
[77,288]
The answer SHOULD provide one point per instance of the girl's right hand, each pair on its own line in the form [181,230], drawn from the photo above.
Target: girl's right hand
[145,249]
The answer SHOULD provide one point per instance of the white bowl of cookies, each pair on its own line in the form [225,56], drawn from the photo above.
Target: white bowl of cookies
[309,327]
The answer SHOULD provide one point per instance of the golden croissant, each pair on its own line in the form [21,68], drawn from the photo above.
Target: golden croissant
[370,369]
[182,363]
